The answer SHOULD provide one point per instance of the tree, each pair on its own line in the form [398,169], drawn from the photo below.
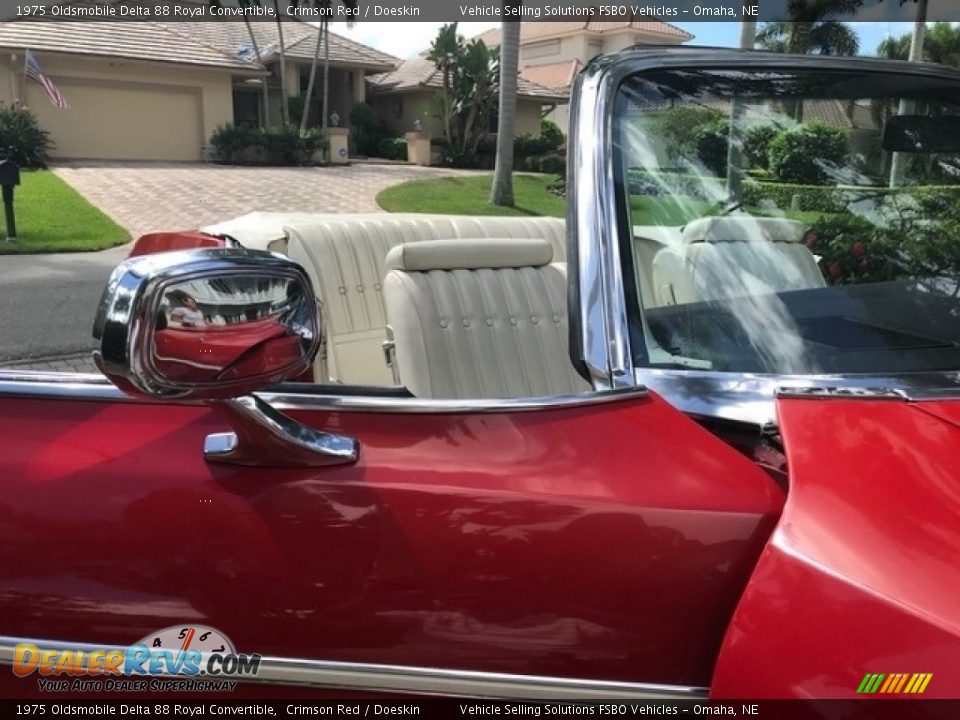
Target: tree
[264,87]
[502,191]
[324,8]
[444,53]
[468,97]
[284,96]
[941,45]
[813,29]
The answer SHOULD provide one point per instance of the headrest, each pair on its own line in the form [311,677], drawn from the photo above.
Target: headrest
[463,254]
[743,229]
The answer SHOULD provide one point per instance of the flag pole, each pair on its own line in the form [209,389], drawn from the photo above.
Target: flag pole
[23,91]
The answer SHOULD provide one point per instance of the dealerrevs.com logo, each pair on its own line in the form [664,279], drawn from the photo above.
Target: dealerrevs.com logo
[188,658]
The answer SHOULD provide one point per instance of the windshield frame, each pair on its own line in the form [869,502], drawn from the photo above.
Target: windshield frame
[606,322]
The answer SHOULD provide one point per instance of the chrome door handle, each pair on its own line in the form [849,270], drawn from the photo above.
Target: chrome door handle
[265,437]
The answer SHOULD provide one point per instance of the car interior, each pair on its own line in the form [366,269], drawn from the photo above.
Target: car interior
[476,307]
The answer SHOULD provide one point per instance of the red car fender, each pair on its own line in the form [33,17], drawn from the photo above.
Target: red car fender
[177,240]
[862,574]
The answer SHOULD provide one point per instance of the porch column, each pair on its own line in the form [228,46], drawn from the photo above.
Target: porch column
[359,86]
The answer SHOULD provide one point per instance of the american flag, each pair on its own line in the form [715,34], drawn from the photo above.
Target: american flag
[33,70]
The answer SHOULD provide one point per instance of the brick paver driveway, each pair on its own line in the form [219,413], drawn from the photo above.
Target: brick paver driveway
[144,197]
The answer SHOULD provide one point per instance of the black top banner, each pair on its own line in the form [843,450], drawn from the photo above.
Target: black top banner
[458,10]
[447,709]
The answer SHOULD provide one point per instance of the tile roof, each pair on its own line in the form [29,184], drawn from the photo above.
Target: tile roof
[542,30]
[421,73]
[210,44]
[299,39]
[105,38]
[558,76]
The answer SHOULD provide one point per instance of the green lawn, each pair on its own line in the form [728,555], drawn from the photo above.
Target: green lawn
[469,195]
[52,217]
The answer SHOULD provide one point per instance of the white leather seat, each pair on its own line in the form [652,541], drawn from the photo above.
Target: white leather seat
[345,258]
[480,319]
[724,257]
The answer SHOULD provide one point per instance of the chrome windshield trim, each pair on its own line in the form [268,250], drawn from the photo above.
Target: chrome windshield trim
[751,398]
[77,386]
[599,338]
[418,680]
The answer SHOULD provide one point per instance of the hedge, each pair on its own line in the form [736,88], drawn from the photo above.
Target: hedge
[244,145]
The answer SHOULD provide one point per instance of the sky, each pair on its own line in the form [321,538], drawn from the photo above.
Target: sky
[407,39]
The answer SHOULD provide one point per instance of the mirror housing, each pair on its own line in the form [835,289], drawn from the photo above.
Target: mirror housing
[206,323]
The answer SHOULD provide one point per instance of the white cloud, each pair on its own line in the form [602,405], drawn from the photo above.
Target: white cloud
[404,39]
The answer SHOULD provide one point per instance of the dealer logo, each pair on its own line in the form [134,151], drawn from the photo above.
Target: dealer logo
[180,651]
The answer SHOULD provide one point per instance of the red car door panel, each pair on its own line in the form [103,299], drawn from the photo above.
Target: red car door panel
[598,541]
[863,568]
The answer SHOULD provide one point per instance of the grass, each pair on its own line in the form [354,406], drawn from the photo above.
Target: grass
[52,217]
[469,195]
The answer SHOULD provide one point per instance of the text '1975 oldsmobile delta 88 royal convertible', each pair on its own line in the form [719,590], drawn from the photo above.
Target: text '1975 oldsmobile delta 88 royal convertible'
[698,440]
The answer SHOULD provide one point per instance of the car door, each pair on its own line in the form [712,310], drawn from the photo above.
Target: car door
[599,537]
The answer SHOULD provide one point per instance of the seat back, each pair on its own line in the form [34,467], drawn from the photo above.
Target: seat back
[725,257]
[345,258]
[480,319]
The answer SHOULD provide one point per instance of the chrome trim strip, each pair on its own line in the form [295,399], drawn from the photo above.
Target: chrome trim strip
[832,393]
[749,398]
[601,321]
[368,677]
[77,386]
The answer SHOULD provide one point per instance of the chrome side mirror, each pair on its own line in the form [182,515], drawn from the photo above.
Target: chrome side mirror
[217,324]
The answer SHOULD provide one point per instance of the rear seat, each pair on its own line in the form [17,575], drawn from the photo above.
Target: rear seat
[480,319]
[345,258]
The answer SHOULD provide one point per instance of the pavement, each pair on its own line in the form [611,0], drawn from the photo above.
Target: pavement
[47,302]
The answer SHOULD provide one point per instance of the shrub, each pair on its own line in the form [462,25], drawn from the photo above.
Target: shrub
[712,141]
[362,117]
[22,139]
[392,149]
[679,127]
[555,163]
[527,145]
[805,153]
[551,134]
[244,145]
[756,144]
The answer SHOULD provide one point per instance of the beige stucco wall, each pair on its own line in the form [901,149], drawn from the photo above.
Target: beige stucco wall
[123,109]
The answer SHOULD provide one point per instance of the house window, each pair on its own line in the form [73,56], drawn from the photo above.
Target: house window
[246,107]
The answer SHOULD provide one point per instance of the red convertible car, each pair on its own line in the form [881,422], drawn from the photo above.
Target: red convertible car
[698,440]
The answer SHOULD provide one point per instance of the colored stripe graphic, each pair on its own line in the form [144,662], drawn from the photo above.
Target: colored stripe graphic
[894,683]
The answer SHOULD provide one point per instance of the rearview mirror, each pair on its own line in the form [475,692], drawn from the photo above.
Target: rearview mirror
[922,134]
[207,324]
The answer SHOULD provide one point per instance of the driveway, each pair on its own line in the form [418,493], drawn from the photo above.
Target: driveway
[49,300]
[148,197]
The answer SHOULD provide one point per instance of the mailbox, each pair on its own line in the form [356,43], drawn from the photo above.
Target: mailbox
[9,173]
[9,178]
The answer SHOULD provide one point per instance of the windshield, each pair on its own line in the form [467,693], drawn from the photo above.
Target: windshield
[793,222]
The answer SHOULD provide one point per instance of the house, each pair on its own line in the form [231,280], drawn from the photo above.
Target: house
[157,90]
[406,95]
[552,53]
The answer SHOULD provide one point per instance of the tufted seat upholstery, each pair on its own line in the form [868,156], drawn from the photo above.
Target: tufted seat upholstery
[724,257]
[480,319]
[345,258]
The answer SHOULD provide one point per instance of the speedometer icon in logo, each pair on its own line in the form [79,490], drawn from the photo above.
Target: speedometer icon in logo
[183,638]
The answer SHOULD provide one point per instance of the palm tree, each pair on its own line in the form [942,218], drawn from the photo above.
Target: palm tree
[284,97]
[264,87]
[813,29]
[444,53]
[941,45]
[502,191]
[323,36]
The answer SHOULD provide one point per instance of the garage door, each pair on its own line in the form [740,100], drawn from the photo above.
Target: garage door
[121,122]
